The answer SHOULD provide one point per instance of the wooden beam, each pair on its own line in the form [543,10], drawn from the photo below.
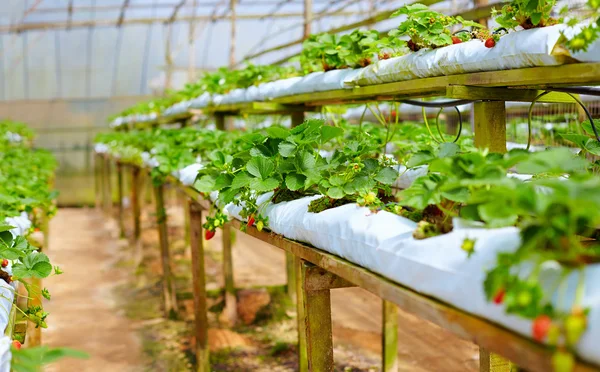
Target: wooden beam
[136,191]
[490,125]
[389,339]
[504,94]
[230,310]
[122,13]
[108,200]
[175,11]
[70,14]
[98,160]
[168,284]
[308,17]
[35,26]
[316,279]
[199,288]
[120,194]
[232,38]
[317,322]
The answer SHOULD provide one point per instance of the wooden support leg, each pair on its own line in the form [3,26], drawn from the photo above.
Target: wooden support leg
[169,295]
[120,194]
[230,310]
[316,284]
[199,286]
[291,263]
[107,188]
[490,125]
[290,269]
[98,181]
[138,254]
[389,339]
[186,224]
[302,353]
[490,362]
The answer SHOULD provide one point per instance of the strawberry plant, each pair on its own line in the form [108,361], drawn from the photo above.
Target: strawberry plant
[324,52]
[427,28]
[525,13]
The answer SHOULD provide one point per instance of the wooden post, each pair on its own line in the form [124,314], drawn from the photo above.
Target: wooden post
[291,264]
[107,187]
[490,125]
[302,353]
[389,340]
[315,286]
[230,310]
[169,297]
[308,16]
[199,287]
[220,121]
[232,4]
[490,362]
[138,254]
[186,224]
[98,181]
[120,193]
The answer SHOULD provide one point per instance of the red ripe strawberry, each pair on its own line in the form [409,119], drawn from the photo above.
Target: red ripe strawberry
[4,262]
[251,220]
[499,297]
[208,235]
[540,327]
[490,43]
[16,344]
[456,40]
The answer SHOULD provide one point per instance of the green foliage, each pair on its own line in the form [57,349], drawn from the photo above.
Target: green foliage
[324,52]
[525,13]
[427,28]
[33,359]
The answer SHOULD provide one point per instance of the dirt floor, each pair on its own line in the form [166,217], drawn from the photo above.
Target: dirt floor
[105,306]
[83,310]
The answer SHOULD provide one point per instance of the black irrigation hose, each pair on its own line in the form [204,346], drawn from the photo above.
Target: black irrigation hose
[583,106]
[460,123]
[439,104]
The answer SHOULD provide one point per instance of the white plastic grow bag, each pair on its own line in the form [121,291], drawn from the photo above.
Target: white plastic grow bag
[5,354]
[437,266]
[321,81]
[201,101]
[101,148]
[149,160]
[521,49]
[21,224]
[234,96]
[187,175]
[277,88]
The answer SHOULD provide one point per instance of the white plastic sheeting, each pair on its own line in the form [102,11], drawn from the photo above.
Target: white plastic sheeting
[5,354]
[149,160]
[526,48]
[21,224]
[436,266]
[187,175]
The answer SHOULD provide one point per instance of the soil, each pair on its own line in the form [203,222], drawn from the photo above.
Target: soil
[83,310]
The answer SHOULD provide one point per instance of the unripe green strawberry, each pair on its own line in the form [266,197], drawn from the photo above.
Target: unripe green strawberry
[553,335]
[468,245]
[524,298]
[563,361]
[574,327]
[260,225]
